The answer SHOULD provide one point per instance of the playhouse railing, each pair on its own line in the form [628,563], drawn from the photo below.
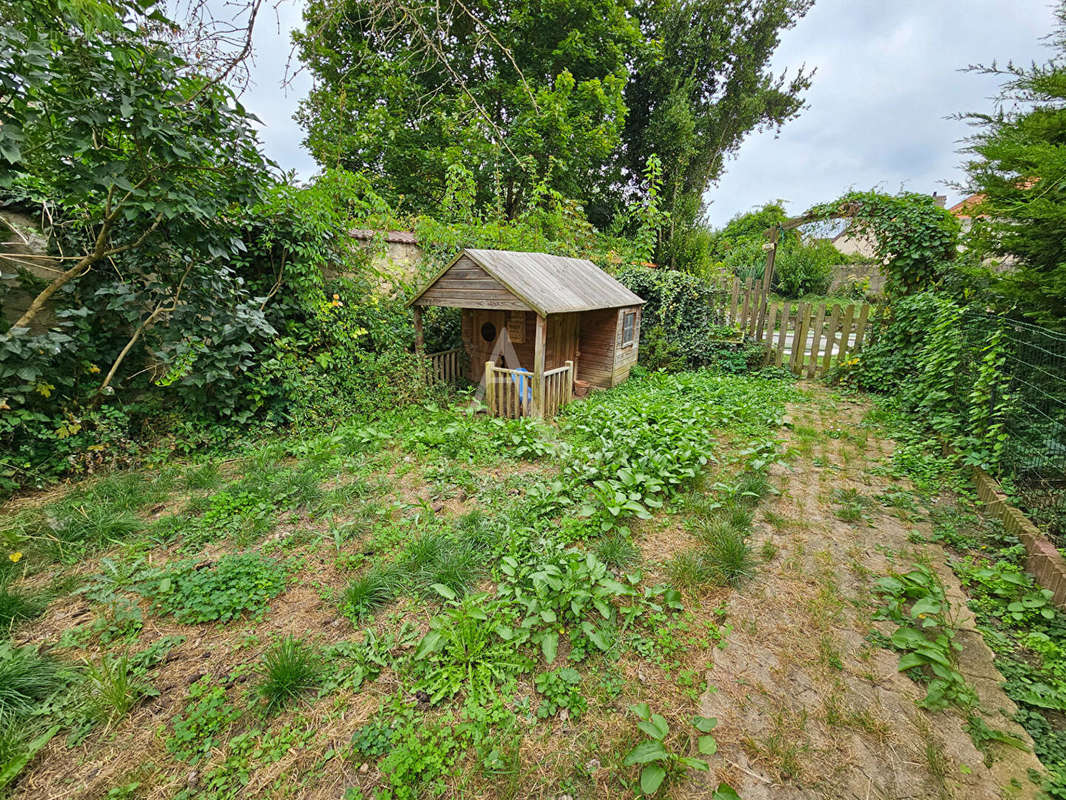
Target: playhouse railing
[510,393]
[445,366]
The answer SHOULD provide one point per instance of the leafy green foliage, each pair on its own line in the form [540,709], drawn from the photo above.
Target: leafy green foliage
[571,101]
[138,162]
[289,669]
[925,636]
[806,269]
[207,717]
[660,762]
[947,364]
[1017,162]
[470,647]
[679,308]
[558,596]
[236,583]
[560,689]
[914,239]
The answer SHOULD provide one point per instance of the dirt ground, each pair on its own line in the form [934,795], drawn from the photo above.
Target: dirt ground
[807,707]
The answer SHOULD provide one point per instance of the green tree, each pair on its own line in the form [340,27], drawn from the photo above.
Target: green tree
[514,91]
[702,84]
[138,167]
[125,144]
[1018,170]
[576,96]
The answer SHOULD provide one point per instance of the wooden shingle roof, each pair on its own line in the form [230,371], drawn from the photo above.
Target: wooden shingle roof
[548,284]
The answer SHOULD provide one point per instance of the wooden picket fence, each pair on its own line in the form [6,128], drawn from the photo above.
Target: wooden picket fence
[445,366]
[509,392]
[809,341]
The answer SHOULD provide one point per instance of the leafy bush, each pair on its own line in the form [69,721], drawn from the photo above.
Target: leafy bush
[236,583]
[806,269]
[679,308]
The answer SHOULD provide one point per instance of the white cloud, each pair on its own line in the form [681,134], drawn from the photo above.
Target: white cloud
[888,77]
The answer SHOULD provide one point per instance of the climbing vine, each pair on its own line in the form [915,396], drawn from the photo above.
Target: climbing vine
[914,239]
[946,363]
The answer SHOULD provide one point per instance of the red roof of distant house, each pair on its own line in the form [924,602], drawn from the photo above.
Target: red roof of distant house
[963,207]
[391,237]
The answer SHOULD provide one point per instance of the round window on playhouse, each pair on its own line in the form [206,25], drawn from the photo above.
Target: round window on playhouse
[488,332]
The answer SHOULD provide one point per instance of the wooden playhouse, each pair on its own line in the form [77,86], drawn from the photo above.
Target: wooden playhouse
[533,324]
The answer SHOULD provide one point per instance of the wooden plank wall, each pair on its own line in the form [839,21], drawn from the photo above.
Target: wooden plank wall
[466,285]
[599,332]
[810,340]
[625,355]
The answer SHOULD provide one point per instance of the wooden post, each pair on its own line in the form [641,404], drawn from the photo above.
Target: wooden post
[864,315]
[799,339]
[568,390]
[419,340]
[834,325]
[538,367]
[819,321]
[845,336]
[768,270]
[490,388]
[786,320]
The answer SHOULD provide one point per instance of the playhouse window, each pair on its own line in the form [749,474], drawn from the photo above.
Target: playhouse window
[629,324]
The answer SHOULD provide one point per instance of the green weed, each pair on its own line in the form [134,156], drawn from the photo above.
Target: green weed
[237,583]
[113,688]
[289,669]
[26,679]
[369,592]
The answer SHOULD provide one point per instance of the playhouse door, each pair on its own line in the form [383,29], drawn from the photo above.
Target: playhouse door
[486,335]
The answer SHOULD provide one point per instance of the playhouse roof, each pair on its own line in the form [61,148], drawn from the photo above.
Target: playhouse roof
[547,284]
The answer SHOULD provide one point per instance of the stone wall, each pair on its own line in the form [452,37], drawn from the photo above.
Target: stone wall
[23,248]
[843,274]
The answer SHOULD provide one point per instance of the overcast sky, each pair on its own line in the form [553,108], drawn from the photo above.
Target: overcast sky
[888,75]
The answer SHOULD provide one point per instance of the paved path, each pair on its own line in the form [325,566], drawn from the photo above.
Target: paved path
[808,708]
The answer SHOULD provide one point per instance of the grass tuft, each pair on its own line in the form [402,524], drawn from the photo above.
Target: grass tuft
[369,592]
[26,679]
[617,550]
[729,556]
[113,688]
[289,669]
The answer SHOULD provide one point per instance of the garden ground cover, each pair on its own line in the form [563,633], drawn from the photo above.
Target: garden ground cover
[439,604]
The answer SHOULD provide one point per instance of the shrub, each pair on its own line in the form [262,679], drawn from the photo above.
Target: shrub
[289,668]
[806,269]
[679,308]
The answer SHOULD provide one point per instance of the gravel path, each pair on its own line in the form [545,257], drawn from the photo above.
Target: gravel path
[807,706]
